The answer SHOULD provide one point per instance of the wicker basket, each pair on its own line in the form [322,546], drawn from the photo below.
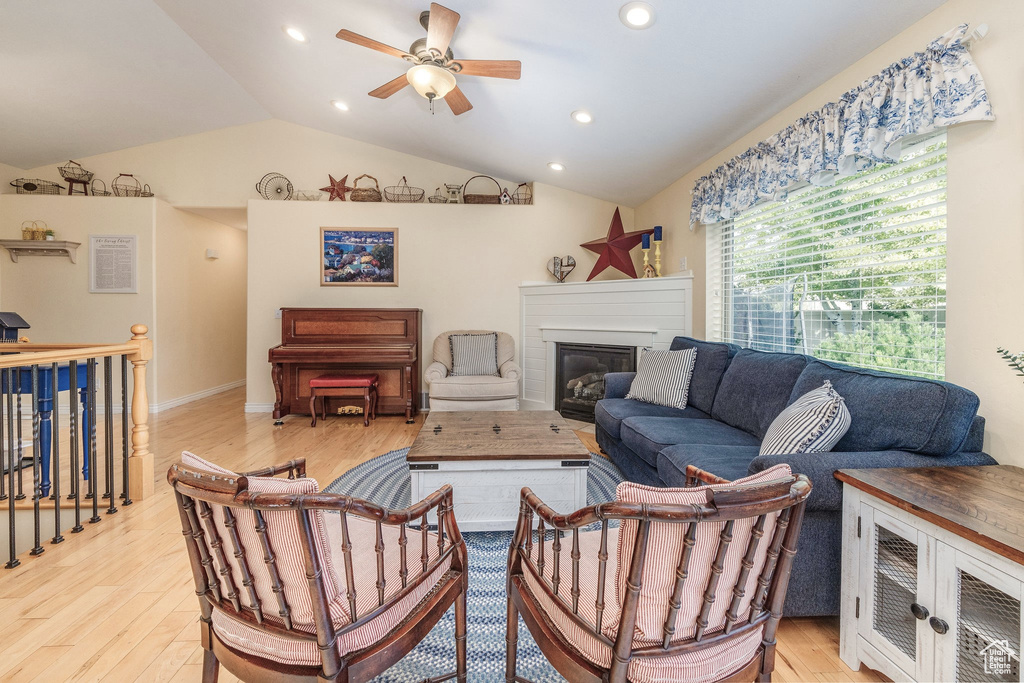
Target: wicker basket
[126,185]
[438,197]
[523,194]
[146,192]
[403,193]
[100,189]
[36,186]
[73,171]
[365,194]
[472,198]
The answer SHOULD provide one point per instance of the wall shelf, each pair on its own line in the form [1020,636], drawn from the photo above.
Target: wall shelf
[18,248]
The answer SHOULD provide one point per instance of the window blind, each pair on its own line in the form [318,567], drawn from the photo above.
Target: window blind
[854,272]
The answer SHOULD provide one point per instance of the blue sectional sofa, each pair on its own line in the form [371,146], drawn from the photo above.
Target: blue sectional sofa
[897,421]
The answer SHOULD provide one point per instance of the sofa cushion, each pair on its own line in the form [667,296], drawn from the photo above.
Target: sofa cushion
[474,354]
[756,387]
[663,378]
[712,360]
[813,423]
[731,462]
[610,412]
[474,388]
[646,436]
[896,412]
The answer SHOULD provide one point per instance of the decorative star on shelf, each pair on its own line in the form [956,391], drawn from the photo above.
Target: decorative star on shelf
[614,249]
[337,188]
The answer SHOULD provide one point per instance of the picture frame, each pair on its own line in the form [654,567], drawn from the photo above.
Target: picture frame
[358,257]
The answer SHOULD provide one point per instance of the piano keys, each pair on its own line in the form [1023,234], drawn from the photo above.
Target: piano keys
[315,341]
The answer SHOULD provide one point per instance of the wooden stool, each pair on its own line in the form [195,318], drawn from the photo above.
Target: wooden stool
[334,385]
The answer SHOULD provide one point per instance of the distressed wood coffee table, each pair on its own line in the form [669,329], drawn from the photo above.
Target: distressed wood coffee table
[488,457]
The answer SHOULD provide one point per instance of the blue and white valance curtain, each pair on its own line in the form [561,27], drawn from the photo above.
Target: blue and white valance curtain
[915,96]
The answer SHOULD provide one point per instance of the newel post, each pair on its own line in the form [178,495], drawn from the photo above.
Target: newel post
[140,463]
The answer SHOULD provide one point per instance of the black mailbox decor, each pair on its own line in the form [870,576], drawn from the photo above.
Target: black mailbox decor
[11,325]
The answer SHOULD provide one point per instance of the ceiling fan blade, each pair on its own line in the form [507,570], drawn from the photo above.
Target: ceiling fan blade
[390,88]
[457,101]
[494,68]
[441,27]
[345,34]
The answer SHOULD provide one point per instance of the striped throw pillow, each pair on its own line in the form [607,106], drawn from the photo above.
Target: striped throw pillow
[474,354]
[814,423]
[663,378]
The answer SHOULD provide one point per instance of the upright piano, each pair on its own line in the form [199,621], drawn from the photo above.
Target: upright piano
[315,341]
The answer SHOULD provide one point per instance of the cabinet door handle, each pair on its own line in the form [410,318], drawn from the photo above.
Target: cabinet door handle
[938,625]
[919,611]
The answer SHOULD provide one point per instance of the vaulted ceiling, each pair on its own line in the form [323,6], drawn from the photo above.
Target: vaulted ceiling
[82,78]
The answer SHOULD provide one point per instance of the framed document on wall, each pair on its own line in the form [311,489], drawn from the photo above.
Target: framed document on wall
[113,264]
[359,257]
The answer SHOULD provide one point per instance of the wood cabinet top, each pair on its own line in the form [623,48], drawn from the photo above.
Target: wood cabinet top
[984,505]
[497,435]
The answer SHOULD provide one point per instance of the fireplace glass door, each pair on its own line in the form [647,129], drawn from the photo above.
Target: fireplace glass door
[579,376]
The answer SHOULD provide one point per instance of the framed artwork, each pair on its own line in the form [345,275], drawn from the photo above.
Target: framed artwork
[359,257]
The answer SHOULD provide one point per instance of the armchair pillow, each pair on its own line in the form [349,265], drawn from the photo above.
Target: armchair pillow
[814,423]
[474,354]
[663,378]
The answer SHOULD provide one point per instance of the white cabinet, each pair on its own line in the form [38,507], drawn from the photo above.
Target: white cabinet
[921,602]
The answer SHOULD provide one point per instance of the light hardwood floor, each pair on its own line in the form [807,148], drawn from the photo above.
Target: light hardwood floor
[117,602]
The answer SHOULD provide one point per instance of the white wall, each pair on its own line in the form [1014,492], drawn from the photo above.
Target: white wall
[985,210]
[462,264]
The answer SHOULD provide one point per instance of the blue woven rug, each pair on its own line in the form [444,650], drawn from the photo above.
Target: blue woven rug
[385,481]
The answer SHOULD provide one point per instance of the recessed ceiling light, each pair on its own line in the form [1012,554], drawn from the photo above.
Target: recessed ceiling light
[294,33]
[637,15]
[339,105]
[555,166]
[581,116]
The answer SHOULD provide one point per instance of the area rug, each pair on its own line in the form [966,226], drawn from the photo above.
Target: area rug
[385,481]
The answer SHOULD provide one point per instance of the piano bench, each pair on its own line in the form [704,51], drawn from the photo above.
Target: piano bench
[323,386]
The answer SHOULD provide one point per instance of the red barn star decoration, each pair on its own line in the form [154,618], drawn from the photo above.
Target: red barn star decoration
[614,249]
[337,188]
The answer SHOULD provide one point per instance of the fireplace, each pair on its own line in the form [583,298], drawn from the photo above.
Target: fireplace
[579,375]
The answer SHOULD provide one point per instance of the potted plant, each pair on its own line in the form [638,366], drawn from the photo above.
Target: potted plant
[50,235]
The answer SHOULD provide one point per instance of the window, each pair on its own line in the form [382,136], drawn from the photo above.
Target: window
[855,272]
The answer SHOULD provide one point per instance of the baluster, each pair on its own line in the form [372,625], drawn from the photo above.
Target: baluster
[575,571]
[189,505]
[602,567]
[8,376]
[108,430]
[55,450]
[540,545]
[21,443]
[747,563]
[724,539]
[125,496]
[556,552]
[243,564]
[3,477]
[218,550]
[73,435]
[379,547]
[37,461]
[350,582]
[423,536]
[93,470]
[761,594]
[275,576]
[682,572]
[403,572]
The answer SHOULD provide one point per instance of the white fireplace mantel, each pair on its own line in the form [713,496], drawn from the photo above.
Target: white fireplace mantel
[642,313]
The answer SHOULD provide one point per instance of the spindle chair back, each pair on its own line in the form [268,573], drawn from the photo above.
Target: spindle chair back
[689,585]
[298,585]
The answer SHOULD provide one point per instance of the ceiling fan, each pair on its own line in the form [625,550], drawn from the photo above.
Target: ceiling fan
[433,73]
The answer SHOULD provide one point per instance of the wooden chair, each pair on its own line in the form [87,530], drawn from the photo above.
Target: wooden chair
[296,585]
[689,586]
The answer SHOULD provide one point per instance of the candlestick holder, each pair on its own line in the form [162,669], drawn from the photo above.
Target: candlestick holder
[648,270]
[657,258]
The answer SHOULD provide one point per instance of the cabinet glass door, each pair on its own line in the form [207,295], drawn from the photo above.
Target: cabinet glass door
[894,588]
[982,606]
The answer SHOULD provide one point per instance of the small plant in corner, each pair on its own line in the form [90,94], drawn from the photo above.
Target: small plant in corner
[1014,360]
[50,235]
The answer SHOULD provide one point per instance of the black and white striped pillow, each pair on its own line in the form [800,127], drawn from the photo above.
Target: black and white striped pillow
[474,354]
[663,378]
[813,424]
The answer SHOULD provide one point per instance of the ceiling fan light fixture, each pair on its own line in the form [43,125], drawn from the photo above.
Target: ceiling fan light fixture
[580,116]
[431,81]
[339,105]
[294,33]
[637,15]
[555,166]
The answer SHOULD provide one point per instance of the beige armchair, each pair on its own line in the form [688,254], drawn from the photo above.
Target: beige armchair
[474,392]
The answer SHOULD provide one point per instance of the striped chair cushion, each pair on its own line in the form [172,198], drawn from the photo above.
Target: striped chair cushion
[474,354]
[663,378]
[665,547]
[696,667]
[814,423]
